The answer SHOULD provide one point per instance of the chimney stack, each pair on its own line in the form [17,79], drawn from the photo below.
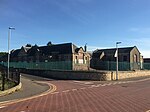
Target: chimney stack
[85,47]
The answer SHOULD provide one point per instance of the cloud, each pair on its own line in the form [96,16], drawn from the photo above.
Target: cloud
[145,53]
[142,43]
[93,48]
[140,30]
[69,7]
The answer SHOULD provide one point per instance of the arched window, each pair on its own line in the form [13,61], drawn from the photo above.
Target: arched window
[135,58]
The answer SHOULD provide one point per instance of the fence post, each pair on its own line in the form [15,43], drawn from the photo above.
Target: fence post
[3,81]
[17,76]
[108,63]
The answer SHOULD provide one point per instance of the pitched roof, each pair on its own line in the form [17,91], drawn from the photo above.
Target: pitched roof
[15,53]
[74,48]
[147,60]
[33,50]
[77,49]
[58,48]
[26,48]
[97,53]
[66,48]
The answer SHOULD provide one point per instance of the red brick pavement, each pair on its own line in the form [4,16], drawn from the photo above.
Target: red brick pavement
[70,97]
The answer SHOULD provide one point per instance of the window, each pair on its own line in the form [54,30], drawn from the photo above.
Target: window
[85,58]
[76,59]
[135,58]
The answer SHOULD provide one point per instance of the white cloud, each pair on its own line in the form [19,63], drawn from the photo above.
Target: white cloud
[93,48]
[140,30]
[142,43]
[69,7]
[145,53]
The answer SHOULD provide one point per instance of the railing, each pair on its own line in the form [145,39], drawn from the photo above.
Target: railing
[10,80]
[122,66]
[59,65]
[146,66]
[67,65]
[56,65]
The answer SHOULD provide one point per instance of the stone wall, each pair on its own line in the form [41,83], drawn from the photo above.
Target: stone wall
[67,75]
[86,75]
[127,74]
[84,67]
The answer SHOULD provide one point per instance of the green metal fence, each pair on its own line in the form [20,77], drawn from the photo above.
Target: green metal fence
[146,66]
[108,65]
[67,65]
[122,66]
[59,65]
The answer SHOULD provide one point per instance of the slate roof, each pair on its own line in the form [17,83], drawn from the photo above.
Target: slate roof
[15,53]
[97,53]
[74,47]
[33,51]
[66,48]
[147,60]
[77,49]
[26,48]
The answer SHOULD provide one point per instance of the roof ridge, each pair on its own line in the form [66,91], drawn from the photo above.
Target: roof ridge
[55,44]
[115,48]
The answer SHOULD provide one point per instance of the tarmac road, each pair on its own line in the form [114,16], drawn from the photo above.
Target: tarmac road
[88,96]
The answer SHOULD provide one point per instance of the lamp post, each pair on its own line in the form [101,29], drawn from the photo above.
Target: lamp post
[117,59]
[9,35]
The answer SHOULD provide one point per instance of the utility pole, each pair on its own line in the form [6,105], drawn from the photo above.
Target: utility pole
[9,35]
[117,59]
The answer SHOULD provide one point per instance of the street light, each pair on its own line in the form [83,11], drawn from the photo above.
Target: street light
[117,59]
[9,35]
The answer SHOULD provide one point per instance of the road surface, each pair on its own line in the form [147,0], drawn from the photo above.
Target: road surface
[87,96]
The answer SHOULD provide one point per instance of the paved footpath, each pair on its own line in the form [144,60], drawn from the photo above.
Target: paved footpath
[30,87]
[78,96]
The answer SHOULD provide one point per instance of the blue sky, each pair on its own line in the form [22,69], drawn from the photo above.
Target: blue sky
[99,23]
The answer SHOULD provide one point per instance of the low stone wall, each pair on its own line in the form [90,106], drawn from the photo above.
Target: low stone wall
[82,67]
[127,74]
[86,75]
[67,75]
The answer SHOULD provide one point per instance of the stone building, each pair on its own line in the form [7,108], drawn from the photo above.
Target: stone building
[129,58]
[146,63]
[146,60]
[77,57]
